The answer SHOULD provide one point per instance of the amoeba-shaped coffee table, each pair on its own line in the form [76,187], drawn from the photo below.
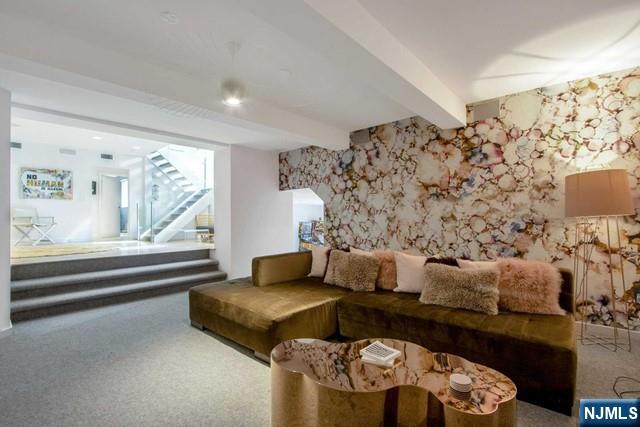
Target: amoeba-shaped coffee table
[319,383]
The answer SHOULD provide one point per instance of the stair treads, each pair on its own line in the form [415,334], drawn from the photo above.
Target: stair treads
[80,296]
[70,279]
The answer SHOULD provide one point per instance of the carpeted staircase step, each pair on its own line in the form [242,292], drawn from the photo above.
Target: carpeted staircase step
[47,283]
[61,303]
[84,265]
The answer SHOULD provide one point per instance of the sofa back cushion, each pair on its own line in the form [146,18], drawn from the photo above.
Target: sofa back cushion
[567,300]
[352,271]
[529,286]
[267,270]
[471,289]
[451,262]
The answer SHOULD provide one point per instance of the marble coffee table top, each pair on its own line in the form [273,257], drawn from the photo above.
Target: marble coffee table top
[339,366]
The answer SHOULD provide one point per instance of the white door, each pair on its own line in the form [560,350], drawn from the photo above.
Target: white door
[109,207]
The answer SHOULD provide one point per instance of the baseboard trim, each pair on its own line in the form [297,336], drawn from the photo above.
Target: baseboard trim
[605,328]
[6,332]
[262,357]
[197,325]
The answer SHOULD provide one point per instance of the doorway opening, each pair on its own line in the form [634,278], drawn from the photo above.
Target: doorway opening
[308,219]
[113,188]
[113,193]
[124,207]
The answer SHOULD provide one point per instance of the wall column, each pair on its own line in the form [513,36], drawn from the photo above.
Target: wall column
[222,207]
[252,216]
[5,216]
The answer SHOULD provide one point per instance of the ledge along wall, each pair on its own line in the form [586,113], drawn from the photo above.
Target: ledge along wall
[494,188]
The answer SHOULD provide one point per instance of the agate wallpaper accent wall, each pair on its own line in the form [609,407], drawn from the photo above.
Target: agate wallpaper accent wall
[493,188]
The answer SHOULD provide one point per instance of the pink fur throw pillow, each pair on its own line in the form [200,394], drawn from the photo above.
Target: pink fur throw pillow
[529,286]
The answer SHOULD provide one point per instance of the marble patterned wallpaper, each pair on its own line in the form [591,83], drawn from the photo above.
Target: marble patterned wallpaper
[493,188]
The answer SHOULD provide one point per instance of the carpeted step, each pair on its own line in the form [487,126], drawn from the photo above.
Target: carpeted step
[84,265]
[42,286]
[43,306]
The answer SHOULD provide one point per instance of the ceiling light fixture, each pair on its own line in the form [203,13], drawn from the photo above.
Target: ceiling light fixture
[232,90]
[98,138]
[233,93]
[169,17]
[135,148]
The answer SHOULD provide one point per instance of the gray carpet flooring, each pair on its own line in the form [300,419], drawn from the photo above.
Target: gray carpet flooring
[141,364]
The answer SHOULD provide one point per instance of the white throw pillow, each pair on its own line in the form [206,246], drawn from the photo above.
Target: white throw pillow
[476,265]
[410,273]
[319,260]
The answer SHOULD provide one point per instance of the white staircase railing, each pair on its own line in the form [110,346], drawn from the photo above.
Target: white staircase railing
[191,201]
[177,218]
[182,216]
[166,168]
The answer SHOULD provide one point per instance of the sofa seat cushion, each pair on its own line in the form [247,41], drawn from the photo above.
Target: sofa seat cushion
[516,344]
[262,317]
[398,310]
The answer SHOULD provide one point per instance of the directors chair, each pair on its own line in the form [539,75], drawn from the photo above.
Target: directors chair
[27,221]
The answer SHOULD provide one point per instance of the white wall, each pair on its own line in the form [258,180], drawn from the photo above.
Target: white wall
[252,216]
[5,222]
[78,218]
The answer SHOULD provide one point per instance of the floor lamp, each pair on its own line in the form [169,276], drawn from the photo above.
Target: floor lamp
[592,197]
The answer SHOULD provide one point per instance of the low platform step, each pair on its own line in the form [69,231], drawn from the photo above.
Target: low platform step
[83,265]
[55,304]
[94,276]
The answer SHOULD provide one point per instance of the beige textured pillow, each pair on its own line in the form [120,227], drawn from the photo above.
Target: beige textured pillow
[529,286]
[387,272]
[472,289]
[319,259]
[410,272]
[352,271]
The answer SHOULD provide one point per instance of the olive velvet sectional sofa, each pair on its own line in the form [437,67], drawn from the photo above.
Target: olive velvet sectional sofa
[279,302]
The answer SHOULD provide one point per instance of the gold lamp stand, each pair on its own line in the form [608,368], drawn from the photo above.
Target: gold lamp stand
[586,241]
[594,196]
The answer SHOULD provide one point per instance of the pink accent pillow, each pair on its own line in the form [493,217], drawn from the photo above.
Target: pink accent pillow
[529,286]
[319,260]
[475,265]
[410,273]
[387,272]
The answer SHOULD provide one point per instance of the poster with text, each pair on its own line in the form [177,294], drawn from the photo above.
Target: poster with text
[54,184]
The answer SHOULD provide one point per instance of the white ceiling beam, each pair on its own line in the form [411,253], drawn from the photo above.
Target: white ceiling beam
[73,62]
[40,114]
[414,85]
[365,48]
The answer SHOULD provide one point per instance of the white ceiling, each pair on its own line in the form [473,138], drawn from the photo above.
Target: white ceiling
[315,69]
[276,68]
[485,49]
[38,132]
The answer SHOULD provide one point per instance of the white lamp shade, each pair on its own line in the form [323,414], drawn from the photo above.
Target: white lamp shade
[604,192]
[233,92]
